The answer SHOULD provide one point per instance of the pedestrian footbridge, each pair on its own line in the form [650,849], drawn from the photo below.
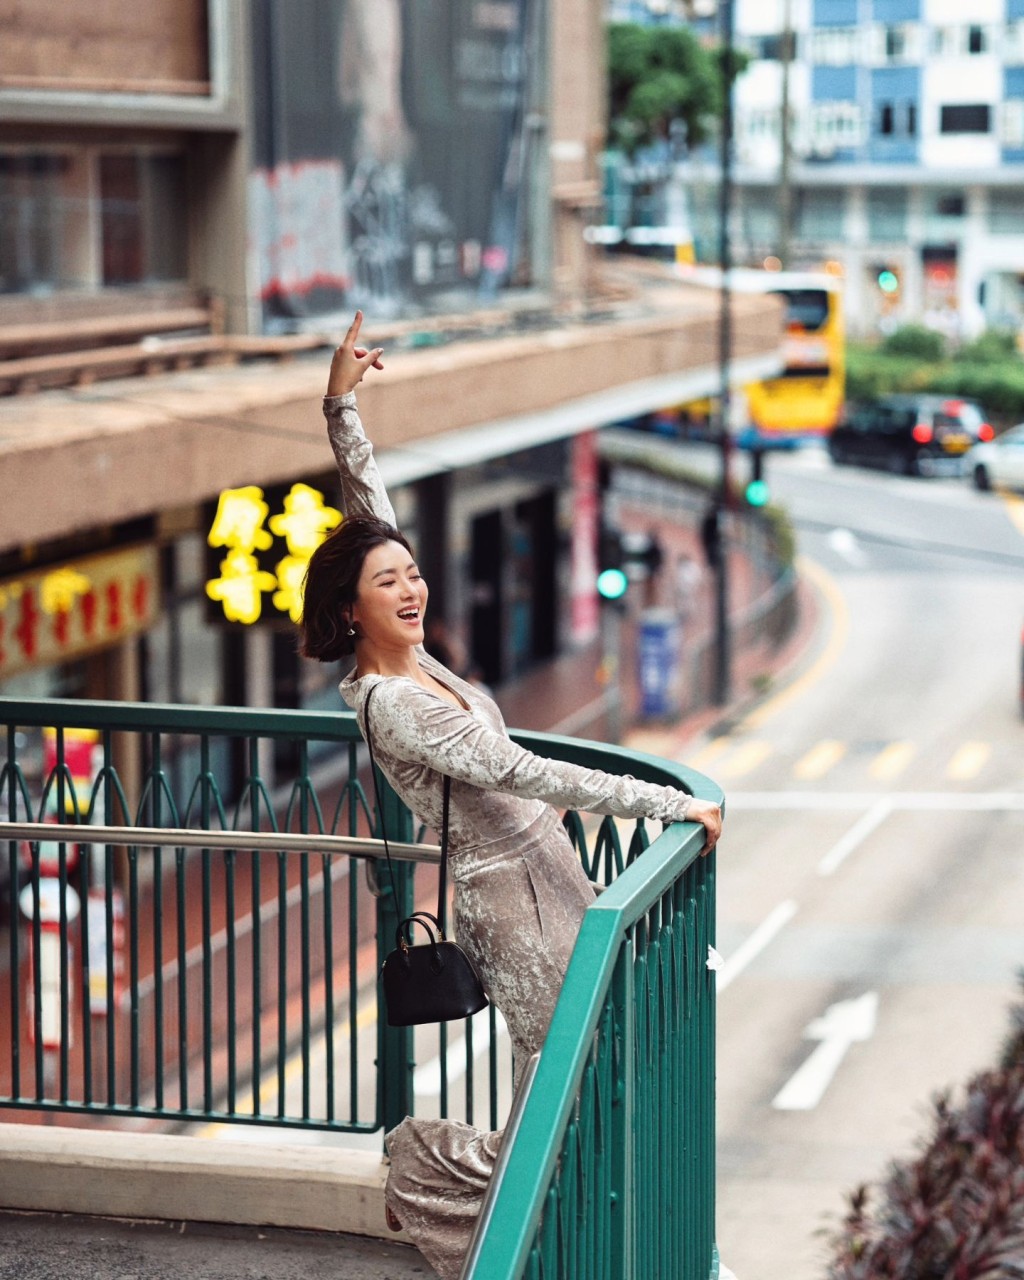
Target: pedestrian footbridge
[190,1028]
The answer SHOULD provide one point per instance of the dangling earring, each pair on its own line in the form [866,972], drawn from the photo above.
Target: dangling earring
[351,631]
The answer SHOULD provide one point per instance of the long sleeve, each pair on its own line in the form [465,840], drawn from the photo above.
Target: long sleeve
[414,725]
[362,490]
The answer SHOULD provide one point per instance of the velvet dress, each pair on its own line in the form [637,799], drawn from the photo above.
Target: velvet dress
[519,890]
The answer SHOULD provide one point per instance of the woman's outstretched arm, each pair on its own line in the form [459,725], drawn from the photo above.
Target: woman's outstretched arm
[362,490]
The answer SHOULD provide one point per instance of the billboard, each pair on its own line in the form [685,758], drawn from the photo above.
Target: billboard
[394,150]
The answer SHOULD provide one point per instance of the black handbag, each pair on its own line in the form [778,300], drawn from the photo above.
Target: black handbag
[433,981]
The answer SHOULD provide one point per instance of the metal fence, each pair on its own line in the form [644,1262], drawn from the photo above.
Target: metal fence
[191,940]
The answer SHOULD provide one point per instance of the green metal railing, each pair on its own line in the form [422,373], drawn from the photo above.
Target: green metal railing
[610,1174]
[199,944]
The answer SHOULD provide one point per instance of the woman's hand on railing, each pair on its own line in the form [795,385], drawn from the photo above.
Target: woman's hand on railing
[709,815]
[350,362]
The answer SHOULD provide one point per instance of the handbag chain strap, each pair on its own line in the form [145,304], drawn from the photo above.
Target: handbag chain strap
[442,884]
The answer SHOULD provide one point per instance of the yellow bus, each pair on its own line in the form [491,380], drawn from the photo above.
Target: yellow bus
[806,399]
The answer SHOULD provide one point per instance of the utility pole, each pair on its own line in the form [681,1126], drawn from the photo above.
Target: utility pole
[723,640]
[786,141]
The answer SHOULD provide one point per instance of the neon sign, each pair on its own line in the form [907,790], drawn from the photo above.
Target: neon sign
[239,526]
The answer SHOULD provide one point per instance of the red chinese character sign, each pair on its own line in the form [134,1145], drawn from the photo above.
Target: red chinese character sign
[238,526]
[62,613]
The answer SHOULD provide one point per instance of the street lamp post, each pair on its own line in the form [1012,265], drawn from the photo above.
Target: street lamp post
[723,643]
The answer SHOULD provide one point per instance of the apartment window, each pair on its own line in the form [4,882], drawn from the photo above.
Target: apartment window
[976,40]
[81,218]
[946,41]
[894,43]
[1012,44]
[820,215]
[897,119]
[950,205]
[965,118]
[833,125]
[1011,122]
[1006,212]
[887,214]
[836,46]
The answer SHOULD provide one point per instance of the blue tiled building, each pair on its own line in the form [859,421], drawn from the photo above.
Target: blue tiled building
[907,153]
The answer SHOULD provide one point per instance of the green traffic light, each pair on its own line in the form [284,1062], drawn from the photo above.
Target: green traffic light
[612,584]
[756,493]
[888,281]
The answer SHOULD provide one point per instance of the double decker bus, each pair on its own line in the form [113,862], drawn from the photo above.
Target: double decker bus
[806,398]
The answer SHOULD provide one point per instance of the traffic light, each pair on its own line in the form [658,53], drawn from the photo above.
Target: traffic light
[612,582]
[756,493]
[888,281]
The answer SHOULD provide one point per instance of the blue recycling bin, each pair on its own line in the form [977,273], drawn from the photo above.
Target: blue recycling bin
[658,660]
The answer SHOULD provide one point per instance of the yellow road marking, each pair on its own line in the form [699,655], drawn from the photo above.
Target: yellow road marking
[891,762]
[822,757]
[747,756]
[1014,504]
[715,748]
[838,636]
[968,762]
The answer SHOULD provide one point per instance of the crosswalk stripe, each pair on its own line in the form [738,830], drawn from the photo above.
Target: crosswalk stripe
[968,761]
[891,762]
[822,757]
[746,758]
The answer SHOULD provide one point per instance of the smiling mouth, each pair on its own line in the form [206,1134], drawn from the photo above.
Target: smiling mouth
[410,615]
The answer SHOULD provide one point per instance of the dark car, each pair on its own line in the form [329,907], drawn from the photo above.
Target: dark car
[910,435]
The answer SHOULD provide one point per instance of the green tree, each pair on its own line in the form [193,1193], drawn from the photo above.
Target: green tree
[658,75]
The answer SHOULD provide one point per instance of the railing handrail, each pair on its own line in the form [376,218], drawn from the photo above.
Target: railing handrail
[326,726]
[205,838]
[518,1200]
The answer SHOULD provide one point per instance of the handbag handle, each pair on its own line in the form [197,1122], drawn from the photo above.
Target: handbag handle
[442,884]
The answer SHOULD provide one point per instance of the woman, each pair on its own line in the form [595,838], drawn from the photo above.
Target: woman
[519,889]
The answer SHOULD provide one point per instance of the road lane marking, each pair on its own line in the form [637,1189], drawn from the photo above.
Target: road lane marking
[822,757]
[858,833]
[840,1026]
[968,761]
[901,801]
[829,656]
[893,761]
[844,543]
[1014,507]
[744,759]
[752,946]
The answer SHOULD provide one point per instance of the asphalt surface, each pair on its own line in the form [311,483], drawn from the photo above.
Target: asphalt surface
[62,1247]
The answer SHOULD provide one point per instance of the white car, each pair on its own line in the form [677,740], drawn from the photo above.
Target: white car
[999,462]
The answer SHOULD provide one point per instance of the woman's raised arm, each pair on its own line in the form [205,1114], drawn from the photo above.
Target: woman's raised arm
[362,490]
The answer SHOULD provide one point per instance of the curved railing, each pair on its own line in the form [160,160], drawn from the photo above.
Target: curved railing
[163,969]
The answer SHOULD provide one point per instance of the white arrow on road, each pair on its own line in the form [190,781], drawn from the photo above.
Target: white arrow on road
[840,1026]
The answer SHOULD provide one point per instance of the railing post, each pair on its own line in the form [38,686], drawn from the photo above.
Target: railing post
[623,1113]
[394,1044]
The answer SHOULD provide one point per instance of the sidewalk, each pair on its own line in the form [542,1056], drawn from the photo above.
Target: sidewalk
[64,1247]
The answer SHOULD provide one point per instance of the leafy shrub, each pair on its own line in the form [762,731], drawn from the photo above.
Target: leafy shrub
[916,341]
[994,346]
[957,1211]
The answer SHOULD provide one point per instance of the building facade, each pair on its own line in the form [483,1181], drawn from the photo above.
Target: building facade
[906,154]
[289,163]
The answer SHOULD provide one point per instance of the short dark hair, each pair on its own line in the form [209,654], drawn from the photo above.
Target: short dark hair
[332,581]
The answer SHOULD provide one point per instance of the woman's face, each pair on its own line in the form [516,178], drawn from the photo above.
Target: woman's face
[391,599]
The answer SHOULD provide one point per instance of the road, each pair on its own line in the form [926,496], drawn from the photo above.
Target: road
[871,883]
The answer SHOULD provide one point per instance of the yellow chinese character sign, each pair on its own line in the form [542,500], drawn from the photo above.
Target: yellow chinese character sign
[238,525]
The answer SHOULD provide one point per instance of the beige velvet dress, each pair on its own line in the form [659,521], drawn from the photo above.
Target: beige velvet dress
[519,888]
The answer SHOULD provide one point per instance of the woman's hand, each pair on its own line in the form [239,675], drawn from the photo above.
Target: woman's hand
[351,362]
[709,815]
